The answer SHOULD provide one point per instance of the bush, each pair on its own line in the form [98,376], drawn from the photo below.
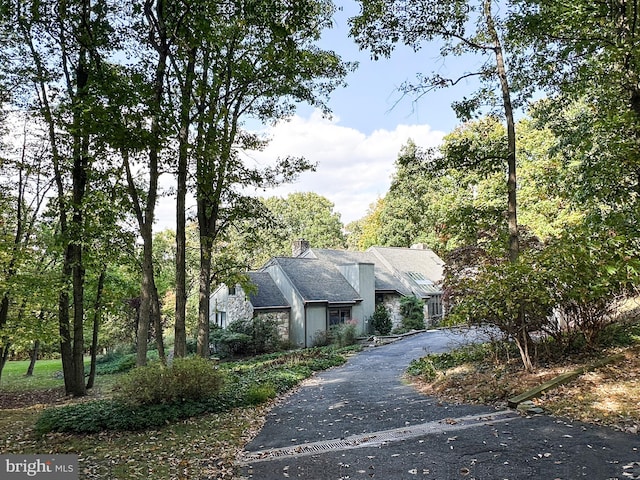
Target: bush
[249,337]
[429,366]
[345,334]
[101,415]
[257,394]
[322,338]
[118,361]
[187,379]
[246,384]
[412,311]
[381,320]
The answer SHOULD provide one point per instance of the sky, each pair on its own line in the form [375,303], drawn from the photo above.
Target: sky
[356,148]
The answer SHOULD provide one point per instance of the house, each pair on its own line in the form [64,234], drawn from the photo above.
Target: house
[316,289]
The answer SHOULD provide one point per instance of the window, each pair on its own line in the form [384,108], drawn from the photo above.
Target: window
[338,316]
[232,290]
[435,306]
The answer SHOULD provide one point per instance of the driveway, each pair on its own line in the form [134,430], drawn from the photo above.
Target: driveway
[360,421]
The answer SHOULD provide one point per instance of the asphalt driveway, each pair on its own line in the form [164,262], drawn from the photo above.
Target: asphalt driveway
[360,421]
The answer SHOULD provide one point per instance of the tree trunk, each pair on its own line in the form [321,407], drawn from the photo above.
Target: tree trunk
[34,358]
[4,357]
[146,298]
[97,305]
[75,246]
[203,298]
[157,324]
[180,337]
[145,219]
[4,315]
[514,247]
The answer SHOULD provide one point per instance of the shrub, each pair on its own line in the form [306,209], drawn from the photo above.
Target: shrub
[187,379]
[381,320]
[257,394]
[322,338]
[249,337]
[229,343]
[429,366]
[119,361]
[345,334]
[101,415]
[246,384]
[412,311]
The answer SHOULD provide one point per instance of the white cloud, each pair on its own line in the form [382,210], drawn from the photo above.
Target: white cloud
[353,168]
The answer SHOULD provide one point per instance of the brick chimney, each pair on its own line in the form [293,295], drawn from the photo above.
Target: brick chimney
[299,247]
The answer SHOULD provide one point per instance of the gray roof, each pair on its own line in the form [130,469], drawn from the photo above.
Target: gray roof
[317,280]
[385,280]
[421,268]
[267,294]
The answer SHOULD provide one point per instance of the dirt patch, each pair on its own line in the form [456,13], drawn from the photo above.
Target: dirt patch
[29,398]
[607,396]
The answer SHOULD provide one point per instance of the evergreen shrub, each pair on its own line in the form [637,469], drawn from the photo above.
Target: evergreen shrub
[381,320]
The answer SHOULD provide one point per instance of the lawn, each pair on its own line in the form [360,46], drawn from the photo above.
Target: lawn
[46,374]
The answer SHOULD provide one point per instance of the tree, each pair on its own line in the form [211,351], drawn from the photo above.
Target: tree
[365,232]
[65,50]
[586,56]
[412,311]
[25,187]
[383,23]
[257,62]
[304,215]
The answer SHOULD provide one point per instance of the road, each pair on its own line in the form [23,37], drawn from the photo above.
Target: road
[360,421]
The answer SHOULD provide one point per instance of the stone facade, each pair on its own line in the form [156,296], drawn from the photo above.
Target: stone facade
[238,306]
[282,319]
[392,303]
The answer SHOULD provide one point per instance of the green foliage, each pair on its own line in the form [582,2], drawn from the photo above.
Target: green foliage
[430,366]
[249,336]
[619,335]
[247,383]
[381,320]
[187,379]
[101,415]
[412,311]
[257,394]
[344,334]
[298,215]
[119,361]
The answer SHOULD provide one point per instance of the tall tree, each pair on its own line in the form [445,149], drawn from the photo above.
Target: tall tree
[24,188]
[61,48]
[305,215]
[383,23]
[257,61]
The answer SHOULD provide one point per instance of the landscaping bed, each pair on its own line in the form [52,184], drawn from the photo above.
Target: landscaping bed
[608,395]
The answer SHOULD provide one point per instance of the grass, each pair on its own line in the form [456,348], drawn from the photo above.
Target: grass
[45,375]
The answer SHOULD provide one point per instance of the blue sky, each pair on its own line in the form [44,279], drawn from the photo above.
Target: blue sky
[356,149]
[371,100]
